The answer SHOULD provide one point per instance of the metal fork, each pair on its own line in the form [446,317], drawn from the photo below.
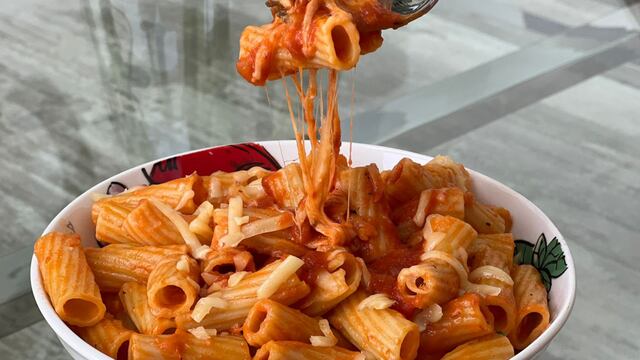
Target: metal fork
[411,9]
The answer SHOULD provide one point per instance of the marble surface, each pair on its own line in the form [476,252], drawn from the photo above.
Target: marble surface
[90,88]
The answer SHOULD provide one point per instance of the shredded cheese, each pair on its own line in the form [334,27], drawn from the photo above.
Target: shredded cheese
[491,272]
[465,285]
[235,278]
[204,306]
[433,238]
[366,275]
[377,302]
[202,333]
[188,195]
[329,339]
[235,211]
[431,314]
[183,264]
[201,252]
[183,228]
[421,211]
[241,220]
[215,188]
[231,240]
[279,276]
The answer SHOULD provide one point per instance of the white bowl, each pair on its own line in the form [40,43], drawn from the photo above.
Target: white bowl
[529,221]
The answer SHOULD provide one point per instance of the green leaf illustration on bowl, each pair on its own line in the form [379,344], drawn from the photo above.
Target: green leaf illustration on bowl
[547,257]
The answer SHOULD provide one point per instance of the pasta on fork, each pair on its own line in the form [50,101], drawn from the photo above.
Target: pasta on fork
[316,260]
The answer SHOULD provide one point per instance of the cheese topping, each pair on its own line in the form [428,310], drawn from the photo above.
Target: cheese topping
[421,211]
[188,195]
[377,302]
[279,276]
[491,272]
[202,333]
[431,314]
[183,264]
[329,339]
[366,275]
[204,306]
[235,278]
[181,224]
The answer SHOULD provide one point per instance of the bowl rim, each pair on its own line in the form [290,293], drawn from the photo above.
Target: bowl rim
[66,335]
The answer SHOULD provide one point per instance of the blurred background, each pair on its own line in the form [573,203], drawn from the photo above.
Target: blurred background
[543,96]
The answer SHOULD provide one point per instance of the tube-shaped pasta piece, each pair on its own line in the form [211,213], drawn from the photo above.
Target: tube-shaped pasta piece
[431,282]
[483,218]
[240,298]
[289,350]
[492,249]
[490,258]
[228,260]
[116,264]
[108,336]
[267,52]
[490,347]
[146,225]
[68,280]
[447,234]
[385,333]
[109,224]
[339,278]
[133,296]
[446,173]
[173,287]
[184,346]
[273,245]
[177,194]
[506,216]
[463,319]
[532,317]
[216,348]
[285,186]
[405,182]
[269,320]
[157,347]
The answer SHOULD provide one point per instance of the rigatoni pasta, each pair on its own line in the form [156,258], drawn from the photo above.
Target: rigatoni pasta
[532,309]
[68,279]
[242,272]
[223,265]
[116,264]
[185,346]
[109,336]
[463,319]
[133,296]
[172,287]
[269,320]
[385,333]
[288,350]
[490,347]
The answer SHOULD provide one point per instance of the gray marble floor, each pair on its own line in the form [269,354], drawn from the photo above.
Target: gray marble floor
[89,88]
